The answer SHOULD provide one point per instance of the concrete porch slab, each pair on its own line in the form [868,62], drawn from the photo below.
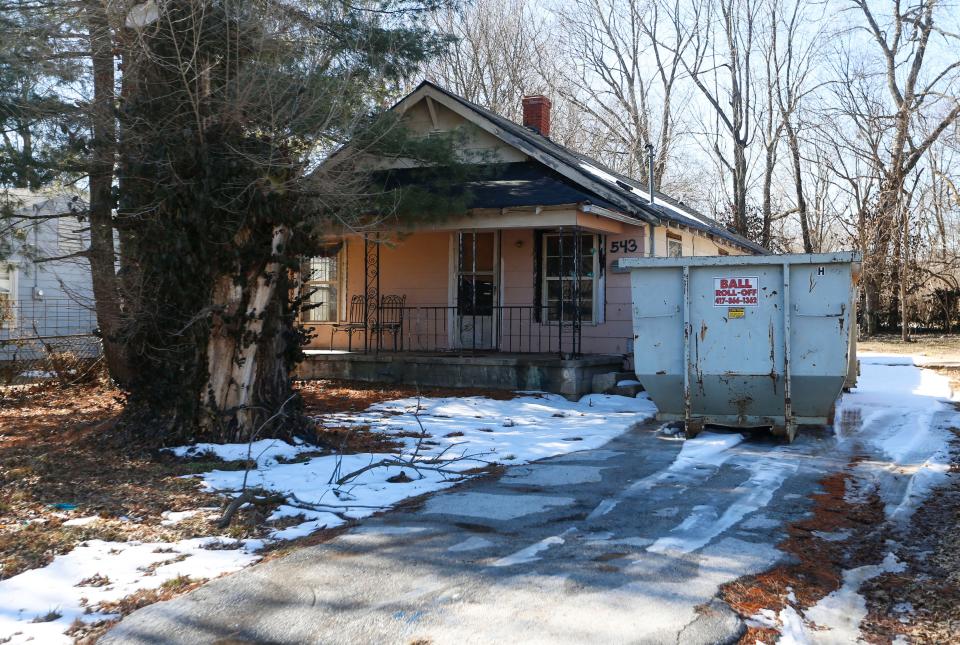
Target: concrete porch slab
[547,372]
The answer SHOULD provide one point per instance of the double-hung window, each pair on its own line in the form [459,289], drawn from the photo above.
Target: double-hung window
[570,269]
[321,283]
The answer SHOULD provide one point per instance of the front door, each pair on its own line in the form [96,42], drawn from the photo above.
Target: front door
[474,325]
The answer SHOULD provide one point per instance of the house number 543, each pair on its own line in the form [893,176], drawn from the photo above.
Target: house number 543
[623,246]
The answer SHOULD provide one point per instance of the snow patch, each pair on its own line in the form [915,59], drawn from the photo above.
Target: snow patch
[841,611]
[97,572]
[466,432]
[645,195]
[899,408]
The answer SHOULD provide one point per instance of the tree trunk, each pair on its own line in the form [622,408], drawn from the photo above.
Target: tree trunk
[905,260]
[740,188]
[771,161]
[102,258]
[249,386]
[794,144]
[871,300]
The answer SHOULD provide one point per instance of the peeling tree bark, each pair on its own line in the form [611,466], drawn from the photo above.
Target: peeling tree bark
[248,375]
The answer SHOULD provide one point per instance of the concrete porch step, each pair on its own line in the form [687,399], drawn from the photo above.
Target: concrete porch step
[620,383]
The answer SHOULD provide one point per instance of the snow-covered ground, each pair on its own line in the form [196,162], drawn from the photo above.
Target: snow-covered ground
[39,605]
[464,433]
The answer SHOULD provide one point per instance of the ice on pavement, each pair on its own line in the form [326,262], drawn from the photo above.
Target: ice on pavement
[704,524]
[489,506]
[698,458]
[899,409]
[528,554]
[470,544]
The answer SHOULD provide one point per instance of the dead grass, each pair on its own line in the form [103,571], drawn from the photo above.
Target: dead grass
[55,465]
[53,468]
[931,581]
[933,346]
[326,396]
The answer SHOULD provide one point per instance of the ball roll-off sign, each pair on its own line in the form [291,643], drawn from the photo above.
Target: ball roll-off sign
[736,292]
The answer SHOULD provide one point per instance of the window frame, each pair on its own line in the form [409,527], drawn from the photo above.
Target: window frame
[472,274]
[677,241]
[11,269]
[338,284]
[545,278]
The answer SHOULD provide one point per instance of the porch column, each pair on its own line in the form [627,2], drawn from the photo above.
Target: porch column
[371,289]
[577,295]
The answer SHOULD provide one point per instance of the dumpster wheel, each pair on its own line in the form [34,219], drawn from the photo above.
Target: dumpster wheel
[788,432]
[692,428]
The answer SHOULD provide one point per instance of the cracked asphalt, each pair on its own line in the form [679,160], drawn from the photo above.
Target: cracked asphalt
[611,545]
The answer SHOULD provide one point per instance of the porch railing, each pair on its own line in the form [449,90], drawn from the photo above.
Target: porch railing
[502,328]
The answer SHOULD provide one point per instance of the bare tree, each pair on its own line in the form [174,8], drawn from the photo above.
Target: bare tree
[794,58]
[719,61]
[494,60]
[923,100]
[623,72]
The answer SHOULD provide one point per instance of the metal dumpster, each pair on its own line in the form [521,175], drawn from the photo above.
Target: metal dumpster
[745,341]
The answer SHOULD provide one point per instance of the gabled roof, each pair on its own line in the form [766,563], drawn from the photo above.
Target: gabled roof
[620,192]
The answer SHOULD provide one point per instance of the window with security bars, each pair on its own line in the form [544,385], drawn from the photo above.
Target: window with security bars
[321,280]
[563,253]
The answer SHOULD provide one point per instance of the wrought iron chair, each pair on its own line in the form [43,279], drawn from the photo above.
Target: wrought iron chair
[391,318]
[356,321]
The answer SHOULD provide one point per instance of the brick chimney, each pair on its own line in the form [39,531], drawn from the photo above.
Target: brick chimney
[536,114]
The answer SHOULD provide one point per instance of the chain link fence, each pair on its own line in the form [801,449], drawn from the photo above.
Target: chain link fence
[47,339]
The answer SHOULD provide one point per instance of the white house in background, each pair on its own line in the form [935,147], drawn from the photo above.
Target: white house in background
[45,283]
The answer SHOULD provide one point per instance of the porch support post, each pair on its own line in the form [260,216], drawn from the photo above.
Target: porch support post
[561,304]
[577,294]
[371,288]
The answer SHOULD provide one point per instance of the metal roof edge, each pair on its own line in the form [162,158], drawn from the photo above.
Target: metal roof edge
[838,257]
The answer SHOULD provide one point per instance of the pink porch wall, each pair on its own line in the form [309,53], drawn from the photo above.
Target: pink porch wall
[416,266]
[419,266]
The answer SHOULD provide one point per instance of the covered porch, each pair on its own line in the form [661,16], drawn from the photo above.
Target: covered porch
[501,304]
[532,281]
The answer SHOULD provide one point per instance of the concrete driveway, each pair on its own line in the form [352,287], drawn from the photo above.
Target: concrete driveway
[611,545]
[626,543]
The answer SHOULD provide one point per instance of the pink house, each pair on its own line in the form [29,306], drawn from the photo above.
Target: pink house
[522,292]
